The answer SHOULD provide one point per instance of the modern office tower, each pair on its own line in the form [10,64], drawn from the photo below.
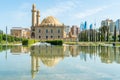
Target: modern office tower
[85,25]
[109,23]
[117,23]
[106,22]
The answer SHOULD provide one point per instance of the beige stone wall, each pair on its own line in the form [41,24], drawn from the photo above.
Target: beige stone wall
[43,33]
[20,33]
[16,33]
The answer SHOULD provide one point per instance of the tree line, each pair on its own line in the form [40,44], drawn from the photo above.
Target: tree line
[9,38]
[102,34]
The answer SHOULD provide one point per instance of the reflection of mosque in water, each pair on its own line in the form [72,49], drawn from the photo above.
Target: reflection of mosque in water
[48,55]
[52,55]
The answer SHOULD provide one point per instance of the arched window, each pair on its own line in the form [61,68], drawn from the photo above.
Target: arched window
[51,37]
[58,30]
[46,30]
[46,37]
[39,37]
[39,31]
[32,35]
[58,36]
[51,31]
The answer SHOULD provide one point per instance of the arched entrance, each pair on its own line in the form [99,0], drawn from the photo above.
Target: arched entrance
[32,35]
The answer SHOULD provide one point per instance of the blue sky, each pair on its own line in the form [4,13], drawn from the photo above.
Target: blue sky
[17,13]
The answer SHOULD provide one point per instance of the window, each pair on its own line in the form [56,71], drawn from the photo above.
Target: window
[39,30]
[39,36]
[51,36]
[33,29]
[46,37]
[51,31]
[46,30]
[58,30]
[58,36]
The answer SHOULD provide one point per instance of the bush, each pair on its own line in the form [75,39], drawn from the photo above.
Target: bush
[27,42]
[55,42]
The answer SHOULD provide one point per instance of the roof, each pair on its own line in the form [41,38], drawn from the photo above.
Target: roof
[50,20]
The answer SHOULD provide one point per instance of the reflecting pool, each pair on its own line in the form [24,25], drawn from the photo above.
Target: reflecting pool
[59,63]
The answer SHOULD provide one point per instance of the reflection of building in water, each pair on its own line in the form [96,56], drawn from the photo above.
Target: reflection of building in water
[19,50]
[74,51]
[51,55]
[48,55]
[117,54]
[107,54]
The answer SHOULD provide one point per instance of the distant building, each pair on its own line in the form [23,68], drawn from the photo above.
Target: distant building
[1,32]
[117,23]
[112,27]
[20,32]
[91,26]
[75,30]
[108,23]
[67,30]
[85,25]
[81,27]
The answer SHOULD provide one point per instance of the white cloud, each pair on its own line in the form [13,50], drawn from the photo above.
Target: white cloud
[90,12]
[60,8]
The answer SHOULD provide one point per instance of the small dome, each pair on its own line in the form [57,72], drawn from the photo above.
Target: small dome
[51,20]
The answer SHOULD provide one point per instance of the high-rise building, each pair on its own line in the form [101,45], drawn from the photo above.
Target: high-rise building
[91,26]
[85,25]
[81,27]
[108,23]
[112,27]
[117,23]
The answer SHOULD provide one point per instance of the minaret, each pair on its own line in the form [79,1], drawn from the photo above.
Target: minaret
[38,17]
[33,15]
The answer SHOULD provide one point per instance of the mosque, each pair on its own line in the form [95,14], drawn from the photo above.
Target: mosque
[49,29]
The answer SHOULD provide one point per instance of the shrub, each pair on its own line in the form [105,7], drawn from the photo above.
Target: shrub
[25,42]
[55,42]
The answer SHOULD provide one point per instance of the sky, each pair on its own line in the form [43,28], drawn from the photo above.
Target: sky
[17,13]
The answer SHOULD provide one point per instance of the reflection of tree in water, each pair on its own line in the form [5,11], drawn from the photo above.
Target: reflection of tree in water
[4,48]
[87,51]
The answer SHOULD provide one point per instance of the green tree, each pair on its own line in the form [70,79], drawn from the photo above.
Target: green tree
[115,34]
[1,38]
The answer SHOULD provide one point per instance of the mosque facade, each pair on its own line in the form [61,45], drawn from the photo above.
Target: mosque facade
[49,29]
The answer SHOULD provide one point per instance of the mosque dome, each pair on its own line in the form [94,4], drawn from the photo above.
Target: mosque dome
[50,20]
[50,62]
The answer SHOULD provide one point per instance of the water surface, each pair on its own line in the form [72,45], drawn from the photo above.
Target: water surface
[59,63]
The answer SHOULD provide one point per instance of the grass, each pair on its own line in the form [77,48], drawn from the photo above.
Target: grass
[85,43]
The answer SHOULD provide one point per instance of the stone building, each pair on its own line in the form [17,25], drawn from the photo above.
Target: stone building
[49,29]
[20,32]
